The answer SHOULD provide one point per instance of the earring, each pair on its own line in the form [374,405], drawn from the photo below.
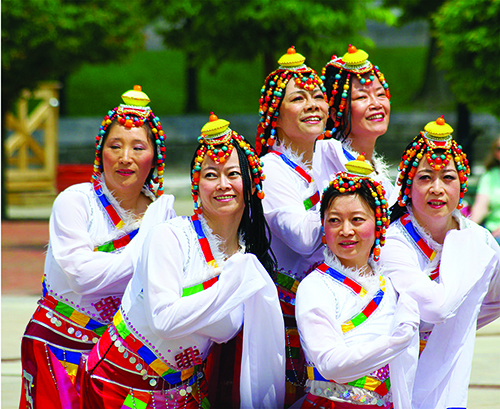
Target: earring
[323,237]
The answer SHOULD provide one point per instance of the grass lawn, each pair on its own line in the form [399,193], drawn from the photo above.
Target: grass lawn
[232,89]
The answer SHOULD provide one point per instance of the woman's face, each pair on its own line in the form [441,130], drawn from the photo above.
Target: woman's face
[349,224]
[127,158]
[221,188]
[434,193]
[302,115]
[370,110]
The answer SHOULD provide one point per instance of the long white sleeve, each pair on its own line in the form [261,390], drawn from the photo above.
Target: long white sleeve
[323,339]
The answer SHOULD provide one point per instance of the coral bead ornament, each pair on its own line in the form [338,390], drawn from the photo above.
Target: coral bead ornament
[436,135]
[353,180]
[217,141]
[291,65]
[134,112]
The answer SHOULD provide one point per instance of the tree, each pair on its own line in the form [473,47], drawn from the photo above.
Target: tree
[468,34]
[47,39]
[210,31]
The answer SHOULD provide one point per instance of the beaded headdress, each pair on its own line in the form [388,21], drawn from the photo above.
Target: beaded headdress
[352,180]
[339,71]
[134,113]
[436,135]
[217,141]
[291,66]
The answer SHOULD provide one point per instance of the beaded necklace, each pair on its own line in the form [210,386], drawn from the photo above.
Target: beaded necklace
[314,199]
[122,241]
[419,242]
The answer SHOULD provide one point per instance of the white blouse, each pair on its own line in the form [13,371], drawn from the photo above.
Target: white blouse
[75,273]
[296,232]
[330,158]
[153,307]
[388,336]
[466,295]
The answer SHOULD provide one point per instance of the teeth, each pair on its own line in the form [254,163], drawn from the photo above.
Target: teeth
[225,197]
[313,118]
[378,116]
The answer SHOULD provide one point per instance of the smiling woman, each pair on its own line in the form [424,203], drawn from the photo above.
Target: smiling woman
[93,229]
[293,113]
[360,109]
[197,281]
[448,263]
[360,339]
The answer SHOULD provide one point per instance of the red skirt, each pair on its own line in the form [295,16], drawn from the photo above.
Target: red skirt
[51,354]
[117,377]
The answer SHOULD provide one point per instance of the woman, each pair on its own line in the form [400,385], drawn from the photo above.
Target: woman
[486,207]
[360,340]
[359,100]
[89,260]
[293,114]
[193,280]
[430,242]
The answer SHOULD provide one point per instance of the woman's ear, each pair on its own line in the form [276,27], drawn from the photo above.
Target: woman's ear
[333,113]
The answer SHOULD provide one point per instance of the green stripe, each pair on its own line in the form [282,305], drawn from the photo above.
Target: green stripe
[292,352]
[108,247]
[64,309]
[192,290]
[308,203]
[122,330]
[100,330]
[205,404]
[360,318]
[359,383]
[285,281]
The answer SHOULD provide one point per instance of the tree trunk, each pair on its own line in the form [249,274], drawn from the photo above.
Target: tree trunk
[435,89]
[3,204]
[463,134]
[192,105]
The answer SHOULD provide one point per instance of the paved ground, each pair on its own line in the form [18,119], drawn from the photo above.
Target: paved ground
[23,248]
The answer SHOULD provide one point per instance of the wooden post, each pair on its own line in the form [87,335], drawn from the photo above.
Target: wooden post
[31,147]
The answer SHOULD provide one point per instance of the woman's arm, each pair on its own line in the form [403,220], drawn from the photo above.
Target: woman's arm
[480,208]
[323,340]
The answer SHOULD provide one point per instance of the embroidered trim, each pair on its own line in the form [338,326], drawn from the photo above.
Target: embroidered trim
[315,198]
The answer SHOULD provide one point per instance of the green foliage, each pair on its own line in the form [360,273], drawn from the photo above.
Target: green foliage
[47,39]
[468,33]
[215,30]
[232,89]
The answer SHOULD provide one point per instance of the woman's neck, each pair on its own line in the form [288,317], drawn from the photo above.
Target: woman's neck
[303,148]
[227,229]
[437,228]
[363,146]
[133,202]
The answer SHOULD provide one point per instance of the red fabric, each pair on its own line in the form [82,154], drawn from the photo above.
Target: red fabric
[38,388]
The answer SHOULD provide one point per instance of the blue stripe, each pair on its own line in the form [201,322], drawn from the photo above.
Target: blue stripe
[64,355]
[348,154]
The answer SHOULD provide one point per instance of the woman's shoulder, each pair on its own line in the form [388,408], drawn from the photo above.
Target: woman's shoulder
[80,193]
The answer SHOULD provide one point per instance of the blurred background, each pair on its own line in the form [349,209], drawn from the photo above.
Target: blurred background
[65,63]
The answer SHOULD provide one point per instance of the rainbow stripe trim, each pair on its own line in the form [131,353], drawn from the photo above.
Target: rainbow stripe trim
[287,282]
[137,400]
[76,316]
[341,278]
[113,215]
[114,245]
[199,287]
[202,239]
[366,382]
[314,199]
[417,240]
[68,359]
[172,376]
[367,311]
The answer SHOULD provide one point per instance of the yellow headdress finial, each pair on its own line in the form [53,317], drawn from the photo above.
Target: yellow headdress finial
[292,59]
[354,57]
[359,166]
[136,97]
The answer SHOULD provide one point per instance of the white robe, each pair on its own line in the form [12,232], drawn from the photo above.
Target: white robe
[296,232]
[153,308]
[467,296]
[329,158]
[76,274]
[388,336]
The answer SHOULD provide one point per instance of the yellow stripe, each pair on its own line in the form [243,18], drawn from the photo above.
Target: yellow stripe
[363,292]
[71,369]
[187,373]
[120,224]
[117,318]
[310,373]
[371,383]
[159,366]
[79,318]
[347,326]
